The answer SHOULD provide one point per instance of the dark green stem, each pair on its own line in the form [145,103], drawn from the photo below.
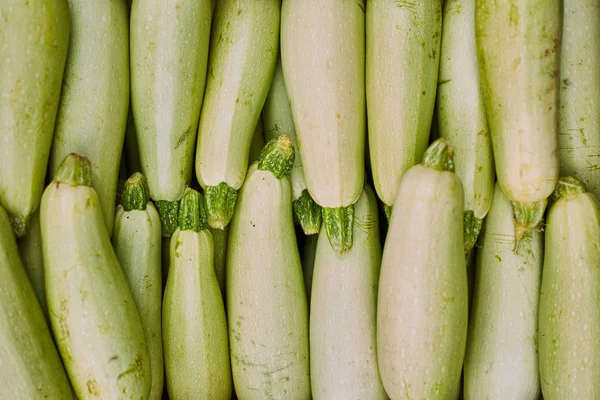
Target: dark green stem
[75,170]
[472,227]
[135,193]
[439,156]
[19,223]
[568,186]
[387,210]
[308,213]
[192,215]
[220,203]
[277,156]
[169,216]
[527,216]
[339,223]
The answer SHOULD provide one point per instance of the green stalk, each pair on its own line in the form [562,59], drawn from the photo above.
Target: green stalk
[74,170]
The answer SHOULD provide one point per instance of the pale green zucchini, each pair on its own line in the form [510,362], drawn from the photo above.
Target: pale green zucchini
[461,114]
[30,250]
[169,53]
[343,311]
[277,118]
[35,37]
[266,302]
[580,93]
[307,257]
[30,367]
[403,53]
[569,320]
[422,309]
[258,142]
[220,237]
[501,360]
[518,45]
[92,115]
[243,52]
[194,323]
[137,243]
[95,321]
[323,60]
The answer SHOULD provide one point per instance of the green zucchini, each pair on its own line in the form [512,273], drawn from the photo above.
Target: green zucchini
[461,114]
[343,317]
[518,46]
[277,117]
[35,37]
[243,52]
[137,243]
[194,323]
[258,142]
[169,53]
[30,366]
[580,93]
[266,302]
[403,53]
[323,60]
[501,360]
[569,319]
[30,250]
[220,237]
[422,308]
[92,115]
[94,318]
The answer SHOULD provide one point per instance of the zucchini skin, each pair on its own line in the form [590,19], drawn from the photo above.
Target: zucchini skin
[403,53]
[243,53]
[569,319]
[194,322]
[460,107]
[422,309]
[265,288]
[501,360]
[31,367]
[220,237]
[343,318]
[92,115]
[322,54]
[89,299]
[580,93]
[169,53]
[35,38]
[518,46]
[137,243]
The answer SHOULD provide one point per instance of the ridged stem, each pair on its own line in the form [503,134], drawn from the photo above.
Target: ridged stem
[135,193]
[169,216]
[439,156]
[220,203]
[527,216]
[387,210]
[339,223]
[568,186]
[308,213]
[472,228]
[75,170]
[277,156]
[192,215]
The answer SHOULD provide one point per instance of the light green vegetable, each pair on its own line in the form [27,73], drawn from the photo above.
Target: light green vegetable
[258,142]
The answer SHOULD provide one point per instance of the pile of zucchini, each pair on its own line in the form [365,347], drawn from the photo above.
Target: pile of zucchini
[296,199]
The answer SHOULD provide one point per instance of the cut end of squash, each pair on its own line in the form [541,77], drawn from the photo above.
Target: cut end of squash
[308,213]
[439,156]
[277,156]
[220,203]
[135,193]
[568,186]
[528,217]
[339,225]
[75,170]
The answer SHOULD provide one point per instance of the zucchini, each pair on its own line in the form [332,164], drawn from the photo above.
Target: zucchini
[194,323]
[243,51]
[422,308]
[92,115]
[461,114]
[169,53]
[580,93]
[131,148]
[30,366]
[94,318]
[343,318]
[277,117]
[30,250]
[518,46]
[258,142]
[569,321]
[220,237]
[501,360]
[35,38]
[137,243]
[323,60]
[266,302]
[403,53]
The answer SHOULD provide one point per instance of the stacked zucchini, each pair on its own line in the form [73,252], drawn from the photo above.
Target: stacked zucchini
[296,199]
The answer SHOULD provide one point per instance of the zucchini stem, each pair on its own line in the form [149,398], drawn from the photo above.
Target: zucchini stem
[192,214]
[169,216]
[339,223]
[568,186]
[277,156]
[135,193]
[439,156]
[527,216]
[472,228]
[74,170]
[220,203]
[387,210]
[308,213]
